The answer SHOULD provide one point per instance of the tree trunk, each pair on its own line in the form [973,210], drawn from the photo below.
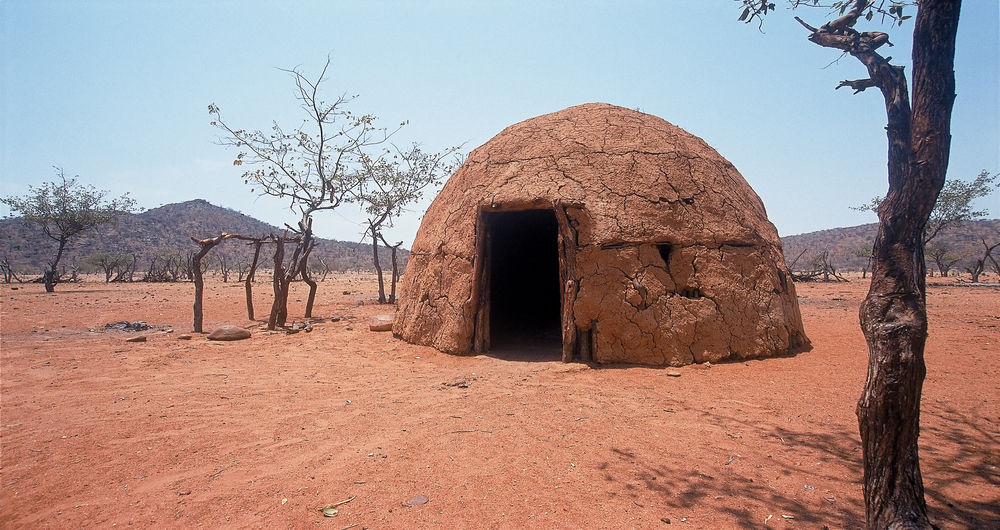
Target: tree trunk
[976,270]
[393,249]
[199,281]
[893,315]
[378,266]
[131,270]
[52,275]
[308,243]
[248,284]
[279,276]
[393,252]
[326,269]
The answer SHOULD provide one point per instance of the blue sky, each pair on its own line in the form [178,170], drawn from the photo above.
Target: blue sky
[117,91]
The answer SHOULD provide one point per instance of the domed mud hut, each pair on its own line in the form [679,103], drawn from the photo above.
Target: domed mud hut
[610,232]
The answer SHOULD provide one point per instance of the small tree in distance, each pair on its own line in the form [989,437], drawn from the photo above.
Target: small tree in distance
[65,209]
[388,185]
[979,264]
[943,255]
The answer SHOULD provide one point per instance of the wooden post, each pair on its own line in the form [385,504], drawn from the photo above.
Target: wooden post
[199,282]
[481,286]
[568,278]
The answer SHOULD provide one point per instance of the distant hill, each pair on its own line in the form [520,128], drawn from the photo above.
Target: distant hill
[842,243]
[163,230]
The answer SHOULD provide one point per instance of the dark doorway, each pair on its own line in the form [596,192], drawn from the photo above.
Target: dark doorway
[524,283]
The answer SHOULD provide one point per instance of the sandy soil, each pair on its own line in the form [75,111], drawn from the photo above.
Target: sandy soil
[96,431]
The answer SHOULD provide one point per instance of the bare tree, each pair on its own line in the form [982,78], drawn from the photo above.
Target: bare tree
[308,165]
[225,265]
[993,261]
[64,209]
[114,265]
[326,269]
[242,266]
[979,265]
[821,268]
[943,255]
[894,314]
[8,271]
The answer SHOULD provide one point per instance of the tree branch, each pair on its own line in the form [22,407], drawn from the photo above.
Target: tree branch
[859,85]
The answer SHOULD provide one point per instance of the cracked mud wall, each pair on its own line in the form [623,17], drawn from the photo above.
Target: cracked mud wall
[675,259]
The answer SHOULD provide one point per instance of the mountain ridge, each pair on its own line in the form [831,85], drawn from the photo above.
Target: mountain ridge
[170,227]
[847,244]
[166,228]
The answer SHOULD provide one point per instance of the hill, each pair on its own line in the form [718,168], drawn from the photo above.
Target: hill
[846,245]
[156,235]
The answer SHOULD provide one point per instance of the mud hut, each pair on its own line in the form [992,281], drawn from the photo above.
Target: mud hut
[608,232]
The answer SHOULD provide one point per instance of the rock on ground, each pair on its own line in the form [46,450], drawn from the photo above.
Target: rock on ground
[380,323]
[229,333]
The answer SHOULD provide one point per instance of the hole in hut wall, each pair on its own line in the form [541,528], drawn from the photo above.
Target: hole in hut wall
[524,283]
[691,292]
[665,249]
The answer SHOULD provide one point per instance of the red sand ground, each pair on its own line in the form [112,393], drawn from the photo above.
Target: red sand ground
[261,433]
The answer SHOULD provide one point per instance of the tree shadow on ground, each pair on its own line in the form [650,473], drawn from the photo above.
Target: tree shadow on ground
[741,490]
[965,462]
[960,460]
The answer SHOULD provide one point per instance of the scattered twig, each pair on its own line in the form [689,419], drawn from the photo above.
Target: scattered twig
[334,505]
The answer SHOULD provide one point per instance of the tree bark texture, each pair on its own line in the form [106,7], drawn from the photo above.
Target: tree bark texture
[279,303]
[894,315]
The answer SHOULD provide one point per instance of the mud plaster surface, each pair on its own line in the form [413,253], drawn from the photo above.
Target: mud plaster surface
[626,182]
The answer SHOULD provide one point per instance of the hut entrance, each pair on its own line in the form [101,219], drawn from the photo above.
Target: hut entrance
[523,275]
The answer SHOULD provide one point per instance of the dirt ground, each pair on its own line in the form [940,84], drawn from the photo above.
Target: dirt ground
[96,431]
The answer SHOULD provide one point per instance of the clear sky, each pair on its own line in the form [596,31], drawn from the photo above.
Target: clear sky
[117,91]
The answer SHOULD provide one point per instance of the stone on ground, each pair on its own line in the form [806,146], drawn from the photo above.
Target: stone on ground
[229,333]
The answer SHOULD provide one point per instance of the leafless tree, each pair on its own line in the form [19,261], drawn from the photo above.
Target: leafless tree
[979,265]
[943,255]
